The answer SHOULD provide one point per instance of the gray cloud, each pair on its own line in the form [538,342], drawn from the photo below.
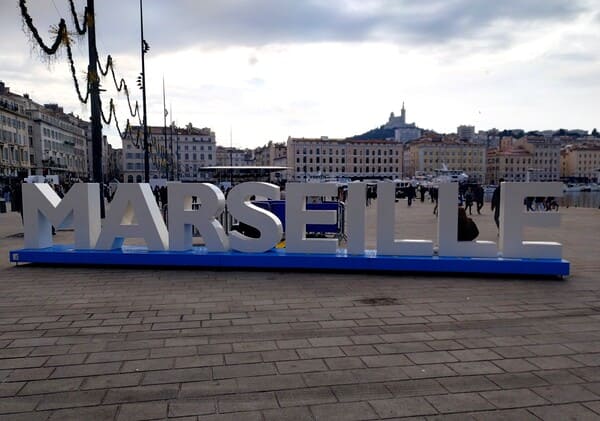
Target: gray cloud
[177,24]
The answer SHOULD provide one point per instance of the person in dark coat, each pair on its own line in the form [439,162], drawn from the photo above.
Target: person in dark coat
[467,229]
[469,201]
[479,194]
[17,198]
[496,203]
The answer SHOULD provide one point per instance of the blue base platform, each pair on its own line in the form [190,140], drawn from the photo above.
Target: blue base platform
[278,259]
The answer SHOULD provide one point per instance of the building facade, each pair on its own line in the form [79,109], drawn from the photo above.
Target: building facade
[178,155]
[545,154]
[581,161]
[434,152]
[236,157]
[59,143]
[324,158]
[15,140]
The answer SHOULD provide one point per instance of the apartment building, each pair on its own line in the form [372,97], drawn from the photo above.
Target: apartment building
[433,152]
[324,158]
[15,141]
[581,161]
[175,153]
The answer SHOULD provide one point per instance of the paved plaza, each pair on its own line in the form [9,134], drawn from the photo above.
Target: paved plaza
[88,343]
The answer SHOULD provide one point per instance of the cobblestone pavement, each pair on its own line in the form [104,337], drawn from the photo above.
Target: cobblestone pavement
[127,344]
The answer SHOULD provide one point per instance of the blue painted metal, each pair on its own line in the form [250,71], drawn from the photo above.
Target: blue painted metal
[279,259]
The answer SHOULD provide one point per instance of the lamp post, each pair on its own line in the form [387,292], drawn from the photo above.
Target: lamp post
[142,84]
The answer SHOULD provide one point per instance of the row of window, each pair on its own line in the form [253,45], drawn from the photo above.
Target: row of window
[354,151]
[317,169]
[12,122]
[13,155]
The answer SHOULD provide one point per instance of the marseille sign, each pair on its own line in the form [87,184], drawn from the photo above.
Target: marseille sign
[133,213]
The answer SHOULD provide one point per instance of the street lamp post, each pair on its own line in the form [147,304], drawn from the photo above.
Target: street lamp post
[142,82]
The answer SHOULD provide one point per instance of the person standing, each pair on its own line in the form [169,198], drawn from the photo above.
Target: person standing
[479,194]
[469,200]
[496,203]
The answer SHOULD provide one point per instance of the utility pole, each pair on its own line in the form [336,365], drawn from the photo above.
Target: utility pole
[165,133]
[94,84]
[144,49]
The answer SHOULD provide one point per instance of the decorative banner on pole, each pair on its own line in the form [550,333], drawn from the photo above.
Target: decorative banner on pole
[134,214]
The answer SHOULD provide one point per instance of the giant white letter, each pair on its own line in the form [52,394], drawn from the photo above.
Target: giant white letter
[356,218]
[133,202]
[297,217]
[42,208]
[240,207]
[448,228]
[513,219]
[182,218]
[386,221]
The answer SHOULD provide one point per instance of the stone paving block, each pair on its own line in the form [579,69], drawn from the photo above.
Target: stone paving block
[329,341]
[181,375]
[26,362]
[428,371]
[467,384]
[10,389]
[51,386]
[594,406]
[86,370]
[269,383]
[459,402]
[279,355]
[68,359]
[143,411]
[297,413]
[517,380]
[558,376]
[175,351]
[148,365]
[25,374]
[300,366]
[321,352]
[564,412]
[388,360]
[293,343]
[141,393]
[71,399]
[332,377]
[475,367]
[433,357]
[402,347]
[243,358]
[402,407]
[199,361]
[554,363]
[344,363]
[18,404]
[515,365]
[343,411]
[514,398]
[111,381]
[104,412]
[359,392]
[191,407]
[587,359]
[235,416]
[247,402]
[419,387]
[243,370]
[503,415]
[208,388]
[565,393]
[474,355]
[304,397]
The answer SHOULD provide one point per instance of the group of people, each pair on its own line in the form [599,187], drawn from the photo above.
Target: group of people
[540,204]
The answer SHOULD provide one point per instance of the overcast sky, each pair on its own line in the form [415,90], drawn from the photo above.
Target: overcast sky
[260,70]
